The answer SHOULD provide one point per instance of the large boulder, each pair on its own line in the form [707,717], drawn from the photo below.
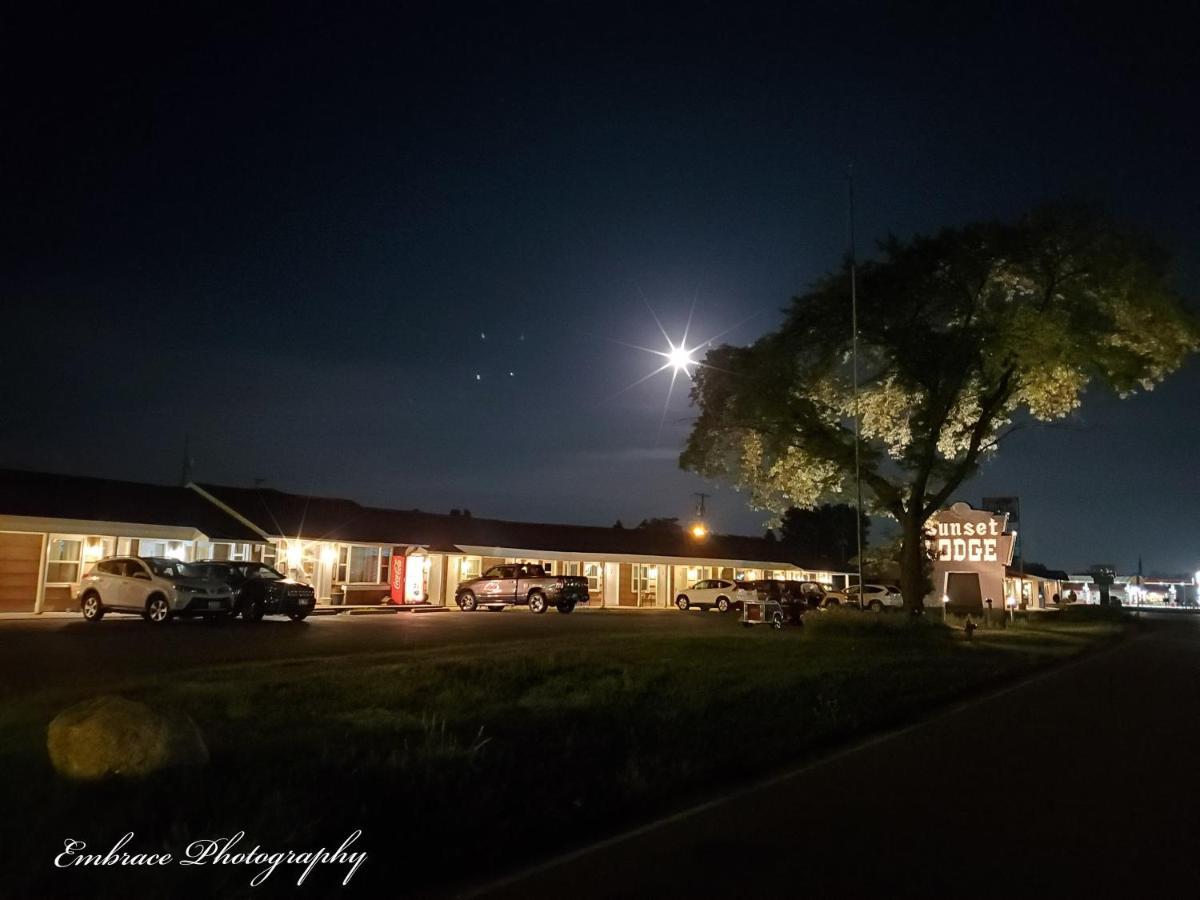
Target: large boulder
[110,735]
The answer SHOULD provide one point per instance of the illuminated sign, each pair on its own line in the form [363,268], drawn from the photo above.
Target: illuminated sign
[396,578]
[962,534]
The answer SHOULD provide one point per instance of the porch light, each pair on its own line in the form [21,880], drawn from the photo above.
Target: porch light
[295,555]
[328,555]
[699,531]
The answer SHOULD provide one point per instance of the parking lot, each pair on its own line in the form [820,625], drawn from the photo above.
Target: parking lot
[67,651]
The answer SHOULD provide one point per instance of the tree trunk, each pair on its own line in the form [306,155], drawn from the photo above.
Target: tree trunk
[912,565]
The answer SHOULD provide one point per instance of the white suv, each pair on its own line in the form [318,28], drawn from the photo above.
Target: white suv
[707,594]
[875,597]
[154,587]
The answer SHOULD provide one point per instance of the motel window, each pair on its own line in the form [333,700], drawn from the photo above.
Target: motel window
[645,581]
[227,551]
[570,568]
[264,553]
[63,561]
[171,549]
[468,568]
[367,565]
[594,572]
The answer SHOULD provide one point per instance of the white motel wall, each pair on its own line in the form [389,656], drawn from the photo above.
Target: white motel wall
[53,528]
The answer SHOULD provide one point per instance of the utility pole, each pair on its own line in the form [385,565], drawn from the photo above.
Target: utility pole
[857,415]
[185,476]
[700,498]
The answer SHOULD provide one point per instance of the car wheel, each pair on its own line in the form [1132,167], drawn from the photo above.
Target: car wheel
[875,606]
[723,604]
[777,621]
[466,601]
[565,607]
[158,610]
[93,610]
[297,616]
[252,610]
[537,602]
[683,603]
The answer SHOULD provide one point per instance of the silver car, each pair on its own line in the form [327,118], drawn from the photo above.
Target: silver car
[154,587]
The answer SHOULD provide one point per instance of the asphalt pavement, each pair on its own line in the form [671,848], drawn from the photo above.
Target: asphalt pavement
[66,651]
[1081,782]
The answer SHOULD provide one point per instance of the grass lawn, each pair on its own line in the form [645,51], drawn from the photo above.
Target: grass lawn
[459,763]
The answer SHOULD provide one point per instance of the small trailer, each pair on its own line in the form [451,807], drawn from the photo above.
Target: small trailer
[765,610]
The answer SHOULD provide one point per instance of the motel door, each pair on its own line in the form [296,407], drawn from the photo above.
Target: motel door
[963,590]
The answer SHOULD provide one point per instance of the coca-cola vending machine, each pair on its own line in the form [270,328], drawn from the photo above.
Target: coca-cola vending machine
[396,579]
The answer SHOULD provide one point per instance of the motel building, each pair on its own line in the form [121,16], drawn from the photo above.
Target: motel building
[54,527]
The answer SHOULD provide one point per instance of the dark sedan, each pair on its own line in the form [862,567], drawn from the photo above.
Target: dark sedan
[260,590]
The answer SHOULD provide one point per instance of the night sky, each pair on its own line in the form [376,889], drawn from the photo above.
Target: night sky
[396,252]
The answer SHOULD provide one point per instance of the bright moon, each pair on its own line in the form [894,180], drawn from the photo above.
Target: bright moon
[680,358]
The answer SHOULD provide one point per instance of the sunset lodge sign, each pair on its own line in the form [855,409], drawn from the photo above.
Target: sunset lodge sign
[969,549]
[970,541]
[963,534]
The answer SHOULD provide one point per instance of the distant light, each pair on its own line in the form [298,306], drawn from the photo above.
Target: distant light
[510,374]
[483,335]
[699,531]
[478,377]
[945,598]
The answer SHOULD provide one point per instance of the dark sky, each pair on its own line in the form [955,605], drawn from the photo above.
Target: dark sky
[286,230]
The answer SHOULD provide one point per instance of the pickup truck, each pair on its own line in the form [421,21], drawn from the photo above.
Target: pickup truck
[521,584]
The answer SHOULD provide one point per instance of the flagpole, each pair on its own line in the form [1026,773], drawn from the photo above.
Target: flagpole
[857,416]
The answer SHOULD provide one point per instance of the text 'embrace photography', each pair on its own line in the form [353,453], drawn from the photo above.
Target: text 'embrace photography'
[222,851]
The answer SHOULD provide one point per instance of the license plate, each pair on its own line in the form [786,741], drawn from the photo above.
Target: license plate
[214,604]
[304,601]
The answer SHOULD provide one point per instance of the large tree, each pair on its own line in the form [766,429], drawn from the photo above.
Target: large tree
[962,336]
[826,531]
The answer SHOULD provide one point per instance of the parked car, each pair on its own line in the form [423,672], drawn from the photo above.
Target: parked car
[875,597]
[834,597]
[522,584]
[810,594]
[260,590]
[707,594]
[154,587]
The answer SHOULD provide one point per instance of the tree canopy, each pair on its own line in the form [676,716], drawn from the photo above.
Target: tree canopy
[962,336]
[825,532]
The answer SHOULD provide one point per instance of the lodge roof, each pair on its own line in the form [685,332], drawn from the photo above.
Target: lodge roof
[1038,570]
[45,495]
[282,514]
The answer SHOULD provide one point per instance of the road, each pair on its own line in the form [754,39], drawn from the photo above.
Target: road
[63,652]
[1082,782]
